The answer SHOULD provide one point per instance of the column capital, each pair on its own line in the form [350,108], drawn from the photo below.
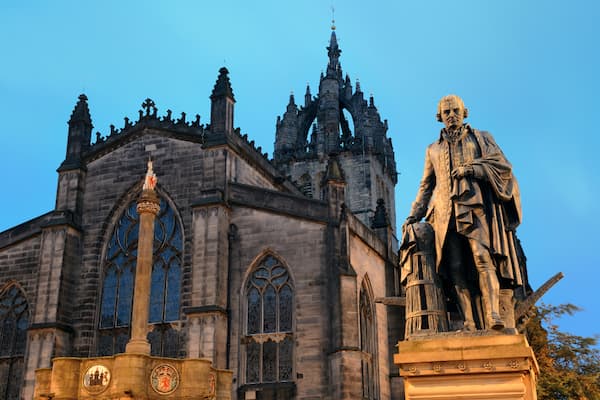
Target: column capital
[148,202]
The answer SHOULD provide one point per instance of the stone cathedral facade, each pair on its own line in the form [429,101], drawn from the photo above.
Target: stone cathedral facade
[270,268]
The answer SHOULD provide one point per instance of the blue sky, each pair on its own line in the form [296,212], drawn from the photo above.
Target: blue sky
[527,71]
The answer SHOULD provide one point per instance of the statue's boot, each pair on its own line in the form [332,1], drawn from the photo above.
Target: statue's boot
[464,301]
[490,293]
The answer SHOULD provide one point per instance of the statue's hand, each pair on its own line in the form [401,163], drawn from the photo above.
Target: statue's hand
[463,171]
[409,220]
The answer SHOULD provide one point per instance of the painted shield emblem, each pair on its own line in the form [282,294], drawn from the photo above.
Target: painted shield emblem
[96,378]
[164,379]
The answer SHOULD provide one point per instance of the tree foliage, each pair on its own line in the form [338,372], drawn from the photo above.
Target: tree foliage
[569,364]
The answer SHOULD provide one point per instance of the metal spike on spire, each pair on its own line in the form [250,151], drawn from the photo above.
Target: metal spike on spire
[332,18]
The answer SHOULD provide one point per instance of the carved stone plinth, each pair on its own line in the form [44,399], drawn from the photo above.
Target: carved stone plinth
[468,366]
[132,376]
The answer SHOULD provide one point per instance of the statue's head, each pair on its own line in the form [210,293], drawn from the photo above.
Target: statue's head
[451,111]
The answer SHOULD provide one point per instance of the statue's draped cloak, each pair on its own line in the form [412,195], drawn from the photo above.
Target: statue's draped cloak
[486,207]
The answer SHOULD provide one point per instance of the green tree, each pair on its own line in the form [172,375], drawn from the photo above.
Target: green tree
[569,364]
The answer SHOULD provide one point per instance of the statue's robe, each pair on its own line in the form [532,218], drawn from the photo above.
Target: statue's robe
[484,207]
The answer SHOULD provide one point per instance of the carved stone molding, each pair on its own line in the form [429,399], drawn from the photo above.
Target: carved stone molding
[148,207]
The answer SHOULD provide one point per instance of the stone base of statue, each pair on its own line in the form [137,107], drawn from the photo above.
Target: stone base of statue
[481,365]
[132,376]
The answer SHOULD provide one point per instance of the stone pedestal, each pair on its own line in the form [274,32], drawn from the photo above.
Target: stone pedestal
[468,366]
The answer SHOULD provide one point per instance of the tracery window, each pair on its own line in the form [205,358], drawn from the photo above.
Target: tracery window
[305,185]
[119,278]
[14,320]
[368,346]
[269,324]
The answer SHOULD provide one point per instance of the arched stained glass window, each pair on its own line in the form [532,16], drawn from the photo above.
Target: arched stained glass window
[368,346]
[269,339]
[14,320]
[119,278]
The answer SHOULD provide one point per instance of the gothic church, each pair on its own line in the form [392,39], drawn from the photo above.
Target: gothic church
[271,268]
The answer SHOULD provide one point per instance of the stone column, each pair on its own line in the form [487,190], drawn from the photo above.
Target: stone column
[147,207]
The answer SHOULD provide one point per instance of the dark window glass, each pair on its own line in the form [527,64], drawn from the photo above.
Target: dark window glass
[269,323]
[269,360]
[252,362]
[254,311]
[125,300]
[14,320]
[367,346]
[105,345]
[121,341]
[285,359]
[164,341]
[173,291]
[157,289]
[170,342]
[109,292]
[285,309]
[119,278]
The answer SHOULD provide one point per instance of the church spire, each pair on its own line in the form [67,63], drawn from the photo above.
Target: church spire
[333,51]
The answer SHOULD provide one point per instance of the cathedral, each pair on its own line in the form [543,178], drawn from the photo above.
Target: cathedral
[276,269]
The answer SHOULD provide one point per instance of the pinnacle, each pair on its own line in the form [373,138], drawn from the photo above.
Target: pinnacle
[223,85]
[334,170]
[380,219]
[81,112]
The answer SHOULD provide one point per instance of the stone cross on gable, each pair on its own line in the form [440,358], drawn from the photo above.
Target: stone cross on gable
[148,105]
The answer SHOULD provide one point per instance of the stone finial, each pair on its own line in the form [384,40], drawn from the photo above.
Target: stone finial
[222,104]
[307,96]
[81,112]
[150,180]
[380,219]
[334,170]
[223,85]
[79,134]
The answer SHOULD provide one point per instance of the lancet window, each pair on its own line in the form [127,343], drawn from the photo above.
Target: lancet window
[119,278]
[14,320]
[269,339]
[368,346]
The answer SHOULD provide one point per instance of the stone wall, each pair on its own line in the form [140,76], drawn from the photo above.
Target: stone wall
[19,263]
[365,178]
[300,245]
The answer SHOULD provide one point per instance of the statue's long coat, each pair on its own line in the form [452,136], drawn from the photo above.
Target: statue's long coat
[496,186]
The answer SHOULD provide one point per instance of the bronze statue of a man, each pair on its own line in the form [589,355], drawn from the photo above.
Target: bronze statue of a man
[470,196]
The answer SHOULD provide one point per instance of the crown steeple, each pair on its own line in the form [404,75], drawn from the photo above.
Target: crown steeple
[344,122]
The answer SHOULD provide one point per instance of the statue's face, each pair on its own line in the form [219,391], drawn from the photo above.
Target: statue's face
[452,113]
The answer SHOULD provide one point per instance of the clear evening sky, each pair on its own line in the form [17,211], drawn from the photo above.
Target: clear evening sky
[527,71]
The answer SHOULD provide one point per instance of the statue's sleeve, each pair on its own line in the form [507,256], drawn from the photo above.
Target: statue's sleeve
[419,206]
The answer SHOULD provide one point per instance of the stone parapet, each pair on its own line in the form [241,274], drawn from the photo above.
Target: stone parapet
[132,376]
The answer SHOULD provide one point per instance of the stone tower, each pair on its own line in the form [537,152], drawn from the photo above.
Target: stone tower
[340,121]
